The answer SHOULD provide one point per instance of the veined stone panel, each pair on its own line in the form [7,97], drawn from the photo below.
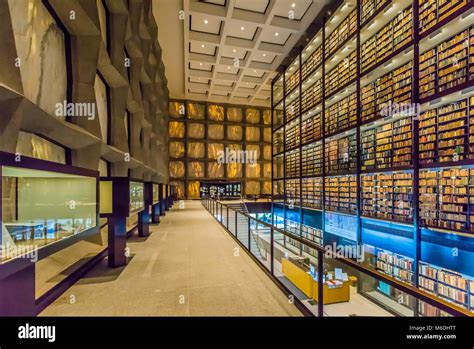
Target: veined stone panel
[196,150]
[215,112]
[176,169]
[215,132]
[36,147]
[267,117]
[176,129]
[267,152]
[196,111]
[267,187]
[179,185]
[253,150]
[196,130]
[176,149]
[194,188]
[196,169]
[252,115]
[40,46]
[234,133]
[267,171]
[252,187]
[252,170]
[252,134]
[234,114]
[177,110]
[234,170]
[214,150]
[101,101]
[215,170]
[267,134]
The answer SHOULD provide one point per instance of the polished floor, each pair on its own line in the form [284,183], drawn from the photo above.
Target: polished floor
[188,266]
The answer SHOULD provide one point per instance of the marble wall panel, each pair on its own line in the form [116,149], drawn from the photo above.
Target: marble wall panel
[40,46]
[214,150]
[196,130]
[196,169]
[179,189]
[234,133]
[234,114]
[196,150]
[267,152]
[252,134]
[267,117]
[252,115]
[215,112]
[215,132]
[267,187]
[176,169]
[267,171]
[234,170]
[176,129]
[252,171]
[176,149]
[252,187]
[194,188]
[267,134]
[215,170]
[196,111]
[177,110]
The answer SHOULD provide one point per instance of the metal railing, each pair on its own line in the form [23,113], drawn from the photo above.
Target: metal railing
[258,239]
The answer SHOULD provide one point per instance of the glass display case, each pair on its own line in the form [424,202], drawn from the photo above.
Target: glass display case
[42,207]
[156,193]
[137,199]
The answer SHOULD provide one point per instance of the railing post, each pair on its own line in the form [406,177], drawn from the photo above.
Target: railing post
[227,217]
[320,283]
[248,224]
[235,216]
[271,249]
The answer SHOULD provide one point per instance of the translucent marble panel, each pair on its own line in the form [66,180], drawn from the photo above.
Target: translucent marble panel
[252,171]
[234,133]
[255,149]
[267,117]
[177,110]
[103,168]
[234,170]
[267,134]
[267,187]
[176,129]
[252,187]
[215,132]
[196,130]
[252,115]
[36,147]
[215,112]
[40,46]
[267,170]
[215,170]
[196,150]
[196,111]
[214,149]
[179,188]
[176,149]
[100,91]
[196,169]
[252,134]
[176,169]
[194,190]
[267,152]
[234,147]
[234,114]
[102,20]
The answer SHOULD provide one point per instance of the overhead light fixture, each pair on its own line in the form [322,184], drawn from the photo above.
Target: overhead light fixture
[254,71]
[293,5]
[200,64]
[203,45]
[276,34]
[206,21]
[234,50]
[228,67]
[242,28]
[264,55]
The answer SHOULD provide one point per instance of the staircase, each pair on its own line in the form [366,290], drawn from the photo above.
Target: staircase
[242,226]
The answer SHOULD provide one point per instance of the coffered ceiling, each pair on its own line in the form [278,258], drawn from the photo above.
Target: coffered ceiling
[230,48]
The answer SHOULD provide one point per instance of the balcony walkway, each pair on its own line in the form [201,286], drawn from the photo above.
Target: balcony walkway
[186,267]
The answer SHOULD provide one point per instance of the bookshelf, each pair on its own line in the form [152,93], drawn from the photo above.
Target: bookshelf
[311,128]
[341,33]
[388,196]
[398,266]
[312,62]
[341,115]
[369,8]
[341,194]
[312,159]
[311,96]
[292,192]
[312,190]
[292,135]
[433,12]
[340,154]
[446,284]
[292,164]
[342,74]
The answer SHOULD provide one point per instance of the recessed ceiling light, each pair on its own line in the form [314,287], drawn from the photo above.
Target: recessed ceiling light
[200,64]
[203,46]
[228,67]
[206,21]
[234,50]
[264,55]
[276,34]
[242,28]
[293,5]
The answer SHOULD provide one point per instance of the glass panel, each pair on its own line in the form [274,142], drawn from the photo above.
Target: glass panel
[40,207]
[137,201]
[101,101]
[243,229]
[215,112]
[215,132]
[29,144]
[260,242]
[176,169]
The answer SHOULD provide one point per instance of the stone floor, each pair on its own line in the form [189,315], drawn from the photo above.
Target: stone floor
[186,267]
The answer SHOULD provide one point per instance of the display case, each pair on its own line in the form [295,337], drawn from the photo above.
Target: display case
[47,210]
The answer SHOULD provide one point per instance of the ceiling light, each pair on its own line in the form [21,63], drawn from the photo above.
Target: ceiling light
[234,50]
[203,46]
[276,34]
[254,71]
[200,64]
[293,5]
[206,21]
[228,67]
[242,28]
[264,55]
